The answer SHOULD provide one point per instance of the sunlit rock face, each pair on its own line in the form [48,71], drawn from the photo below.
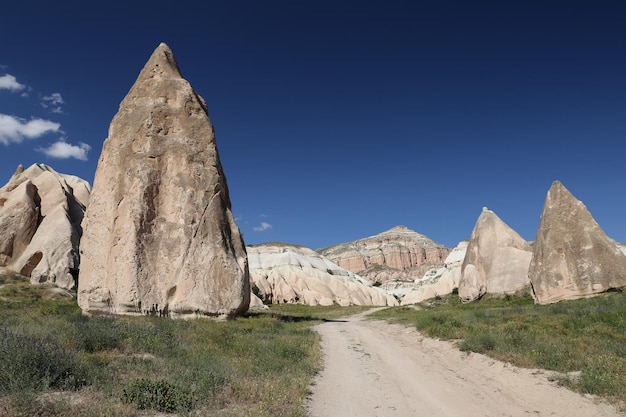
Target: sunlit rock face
[572,256]
[437,281]
[396,254]
[496,261]
[40,216]
[159,235]
[299,275]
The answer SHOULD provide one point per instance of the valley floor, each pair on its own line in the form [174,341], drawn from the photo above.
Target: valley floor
[372,368]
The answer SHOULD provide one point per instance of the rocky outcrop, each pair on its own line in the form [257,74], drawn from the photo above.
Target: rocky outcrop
[396,254]
[40,217]
[289,274]
[438,281]
[572,256]
[496,262]
[159,236]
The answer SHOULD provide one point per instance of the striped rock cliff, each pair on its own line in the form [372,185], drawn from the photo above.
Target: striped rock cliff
[396,254]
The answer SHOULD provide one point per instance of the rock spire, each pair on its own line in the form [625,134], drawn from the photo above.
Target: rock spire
[159,235]
[496,261]
[572,256]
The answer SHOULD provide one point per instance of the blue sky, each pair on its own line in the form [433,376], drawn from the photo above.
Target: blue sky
[339,120]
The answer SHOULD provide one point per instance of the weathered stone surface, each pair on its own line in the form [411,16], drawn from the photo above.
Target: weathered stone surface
[289,274]
[438,281]
[396,254]
[159,236]
[496,262]
[572,256]
[40,216]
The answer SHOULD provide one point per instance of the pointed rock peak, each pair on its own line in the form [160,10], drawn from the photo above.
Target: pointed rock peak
[18,170]
[161,63]
[558,189]
[573,257]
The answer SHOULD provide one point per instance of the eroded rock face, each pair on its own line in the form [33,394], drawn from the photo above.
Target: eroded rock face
[438,281]
[298,275]
[396,254]
[159,236]
[40,216]
[572,256]
[496,262]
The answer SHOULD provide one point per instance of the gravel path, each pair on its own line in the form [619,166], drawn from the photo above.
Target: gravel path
[372,368]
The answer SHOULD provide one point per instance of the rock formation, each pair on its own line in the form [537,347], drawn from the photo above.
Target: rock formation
[439,281]
[496,262]
[396,254]
[40,216]
[159,236]
[572,256]
[289,274]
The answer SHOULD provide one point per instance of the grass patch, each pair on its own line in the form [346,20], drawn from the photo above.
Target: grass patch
[57,362]
[586,336]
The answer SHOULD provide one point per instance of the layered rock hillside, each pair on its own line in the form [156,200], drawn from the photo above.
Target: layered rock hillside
[438,281]
[41,212]
[497,260]
[396,254]
[572,256]
[159,235]
[289,274]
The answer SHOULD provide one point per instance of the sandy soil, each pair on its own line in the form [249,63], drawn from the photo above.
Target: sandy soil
[372,368]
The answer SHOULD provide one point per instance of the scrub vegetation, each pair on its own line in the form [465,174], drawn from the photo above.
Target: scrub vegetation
[583,341]
[54,361]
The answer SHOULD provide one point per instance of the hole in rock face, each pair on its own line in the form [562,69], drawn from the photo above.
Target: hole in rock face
[32,263]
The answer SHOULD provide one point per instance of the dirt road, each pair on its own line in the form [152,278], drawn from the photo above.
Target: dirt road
[372,368]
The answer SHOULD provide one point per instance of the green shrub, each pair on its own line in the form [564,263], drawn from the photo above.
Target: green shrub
[95,334]
[31,363]
[157,395]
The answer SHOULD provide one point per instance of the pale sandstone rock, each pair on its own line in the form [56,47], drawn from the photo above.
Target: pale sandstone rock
[496,262]
[440,281]
[40,216]
[396,254]
[290,274]
[572,256]
[159,236]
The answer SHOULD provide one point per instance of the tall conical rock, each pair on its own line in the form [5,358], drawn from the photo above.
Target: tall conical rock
[572,256]
[496,261]
[159,235]
[40,215]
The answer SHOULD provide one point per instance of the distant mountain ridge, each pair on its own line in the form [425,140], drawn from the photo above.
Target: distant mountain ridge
[395,254]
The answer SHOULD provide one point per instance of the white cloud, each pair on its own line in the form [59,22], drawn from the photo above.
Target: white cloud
[54,101]
[14,129]
[9,82]
[64,150]
[262,227]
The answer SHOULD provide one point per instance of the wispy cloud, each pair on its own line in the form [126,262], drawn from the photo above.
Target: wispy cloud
[53,102]
[9,82]
[262,227]
[63,150]
[14,129]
